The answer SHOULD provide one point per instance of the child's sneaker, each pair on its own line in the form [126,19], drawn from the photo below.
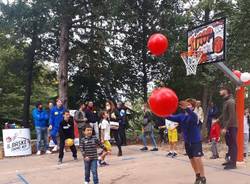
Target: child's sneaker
[154,149]
[200,180]
[144,149]
[169,154]
[102,163]
[48,152]
[60,161]
[203,180]
[174,155]
[55,148]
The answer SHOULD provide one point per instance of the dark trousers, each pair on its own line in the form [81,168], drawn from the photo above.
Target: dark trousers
[91,165]
[162,136]
[117,139]
[232,144]
[72,148]
[122,133]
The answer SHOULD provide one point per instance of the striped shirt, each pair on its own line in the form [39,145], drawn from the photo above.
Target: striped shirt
[88,147]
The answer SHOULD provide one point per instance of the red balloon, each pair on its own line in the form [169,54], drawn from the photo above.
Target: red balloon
[157,44]
[163,102]
[237,73]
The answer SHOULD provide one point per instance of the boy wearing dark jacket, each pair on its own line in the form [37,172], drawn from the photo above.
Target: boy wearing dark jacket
[66,131]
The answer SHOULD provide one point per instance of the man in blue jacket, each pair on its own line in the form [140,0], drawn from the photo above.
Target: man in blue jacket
[40,117]
[188,122]
[56,117]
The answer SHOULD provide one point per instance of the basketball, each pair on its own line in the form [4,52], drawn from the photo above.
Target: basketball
[157,44]
[218,44]
[69,142]
[163,102]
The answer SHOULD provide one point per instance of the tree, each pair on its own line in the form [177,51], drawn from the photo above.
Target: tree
[27,21]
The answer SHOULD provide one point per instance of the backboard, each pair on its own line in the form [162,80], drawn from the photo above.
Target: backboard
[210,39]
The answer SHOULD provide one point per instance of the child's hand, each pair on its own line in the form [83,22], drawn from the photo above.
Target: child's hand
[113,116]
[102,141]
[87,159]
[224,131]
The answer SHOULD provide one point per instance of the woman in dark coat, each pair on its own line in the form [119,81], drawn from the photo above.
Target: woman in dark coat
[114,118]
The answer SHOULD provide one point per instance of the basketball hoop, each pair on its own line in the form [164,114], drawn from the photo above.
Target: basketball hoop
[191,60]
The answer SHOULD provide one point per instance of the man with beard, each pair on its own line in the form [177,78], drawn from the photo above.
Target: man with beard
[229,126]
[92,117]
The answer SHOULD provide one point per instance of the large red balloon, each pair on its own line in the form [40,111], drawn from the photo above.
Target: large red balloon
[163,102]
[237,73]
[157,44]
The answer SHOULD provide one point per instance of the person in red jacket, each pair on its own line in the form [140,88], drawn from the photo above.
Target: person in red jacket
[215,138]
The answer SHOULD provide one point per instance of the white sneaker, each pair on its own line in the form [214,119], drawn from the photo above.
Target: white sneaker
[86,182]
[55,148]
[38,153]
[48,152]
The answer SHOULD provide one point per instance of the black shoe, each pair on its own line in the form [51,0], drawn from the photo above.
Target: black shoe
[154,149]
[119,154]
[174,155]
[227,157]
[197,180]
[169,154]
[226,163]
[203,180]
[230,166]
[144,149]
[245,155]
[75,158]
[102,163]
[60,161]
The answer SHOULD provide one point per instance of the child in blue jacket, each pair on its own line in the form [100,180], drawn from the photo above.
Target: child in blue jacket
[56,117]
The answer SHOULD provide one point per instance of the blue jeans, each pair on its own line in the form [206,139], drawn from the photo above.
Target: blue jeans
[91,165]
[42,135]
[152,137]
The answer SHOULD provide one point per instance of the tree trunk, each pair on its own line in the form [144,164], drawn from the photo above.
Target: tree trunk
[63,59]
[144,56]
[30,57]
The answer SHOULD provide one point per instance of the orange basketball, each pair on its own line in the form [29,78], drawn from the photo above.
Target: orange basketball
[218,44]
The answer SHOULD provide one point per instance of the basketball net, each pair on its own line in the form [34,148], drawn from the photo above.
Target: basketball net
[191,60]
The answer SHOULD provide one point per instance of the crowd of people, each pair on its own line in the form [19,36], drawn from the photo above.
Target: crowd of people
[97,129]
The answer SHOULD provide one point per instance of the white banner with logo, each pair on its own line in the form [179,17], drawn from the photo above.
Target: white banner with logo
[16,142]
